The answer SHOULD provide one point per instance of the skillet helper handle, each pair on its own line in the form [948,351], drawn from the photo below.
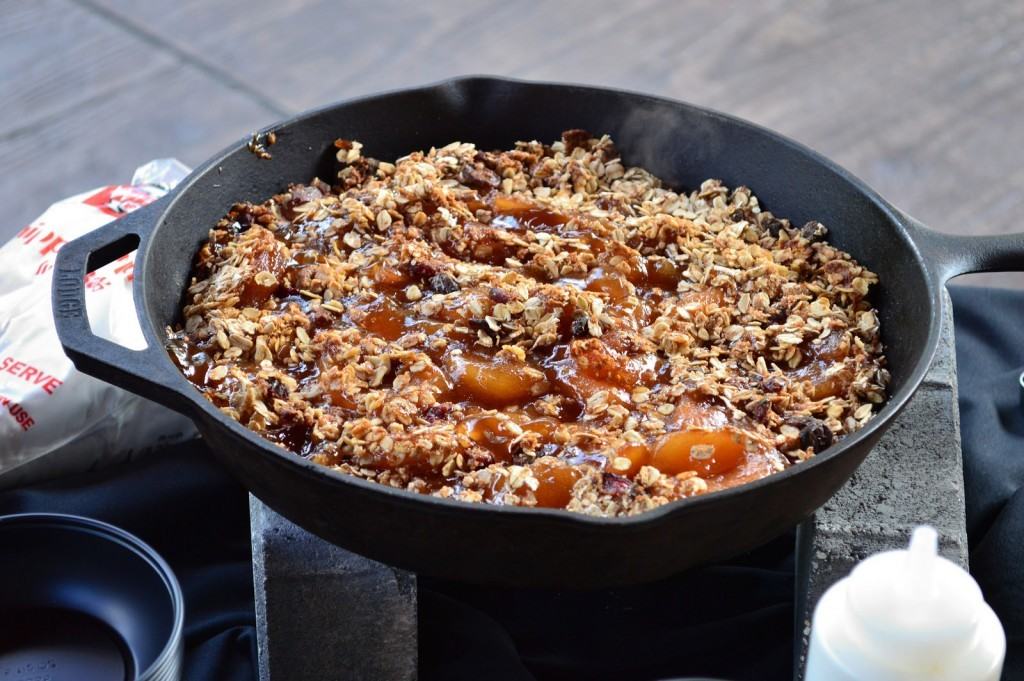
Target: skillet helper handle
[134,370]
[951,255]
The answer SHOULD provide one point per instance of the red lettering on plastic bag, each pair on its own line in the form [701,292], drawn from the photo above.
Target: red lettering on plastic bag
[126,266]
[17,412]
[31,374]
[96,282]
[29,234]
[42,407]
[119,200]
[53,242]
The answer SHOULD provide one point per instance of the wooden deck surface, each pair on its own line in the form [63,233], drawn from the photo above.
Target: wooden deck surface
[922,99]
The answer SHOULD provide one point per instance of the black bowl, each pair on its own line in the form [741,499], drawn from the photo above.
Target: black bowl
[81,599]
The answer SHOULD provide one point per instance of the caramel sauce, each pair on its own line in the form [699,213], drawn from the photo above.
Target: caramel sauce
[384,318]
[570,381]
[500,436]
[820,358]
[513,213]
[254,293]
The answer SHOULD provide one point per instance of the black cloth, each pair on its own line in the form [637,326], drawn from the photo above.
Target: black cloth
[990,359]
[730,621]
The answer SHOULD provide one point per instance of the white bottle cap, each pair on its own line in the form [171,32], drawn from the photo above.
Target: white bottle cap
[906,615]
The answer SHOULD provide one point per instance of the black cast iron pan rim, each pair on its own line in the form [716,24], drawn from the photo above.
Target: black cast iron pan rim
[202,408]
[135,545]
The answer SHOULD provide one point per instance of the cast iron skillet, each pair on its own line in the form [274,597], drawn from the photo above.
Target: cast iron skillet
[681,143]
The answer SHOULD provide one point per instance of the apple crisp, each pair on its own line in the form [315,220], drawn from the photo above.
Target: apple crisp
[542,326]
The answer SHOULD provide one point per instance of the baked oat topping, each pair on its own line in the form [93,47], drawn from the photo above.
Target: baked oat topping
[542,326]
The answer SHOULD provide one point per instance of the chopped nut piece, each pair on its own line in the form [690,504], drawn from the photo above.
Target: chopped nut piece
[266,279]
[702,452]
[621,463]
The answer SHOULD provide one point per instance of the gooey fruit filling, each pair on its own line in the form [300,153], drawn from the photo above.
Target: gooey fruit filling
[539,327]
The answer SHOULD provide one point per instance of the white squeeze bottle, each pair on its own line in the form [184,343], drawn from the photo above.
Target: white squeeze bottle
[906,615]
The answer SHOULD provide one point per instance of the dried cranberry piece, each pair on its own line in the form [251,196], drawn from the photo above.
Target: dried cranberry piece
[278,389]
[498,295]
[437,412]
[479,177]
[773,226]
[813,432]
[615,484]
[443,283]
[759,410]
[580,325]
[741,214]
[813,231]
[421,270]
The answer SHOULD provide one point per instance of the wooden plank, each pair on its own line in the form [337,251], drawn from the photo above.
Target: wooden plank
[173,112]
[309,52]
[57,56]
[918,98]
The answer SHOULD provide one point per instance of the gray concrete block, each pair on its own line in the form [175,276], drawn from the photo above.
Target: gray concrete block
[913,476]
[943,368]
[325,613]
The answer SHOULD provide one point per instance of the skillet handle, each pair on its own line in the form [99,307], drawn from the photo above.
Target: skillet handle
[950,255]
[135,370]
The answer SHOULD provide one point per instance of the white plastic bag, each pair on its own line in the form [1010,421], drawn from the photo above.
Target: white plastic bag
[53,419]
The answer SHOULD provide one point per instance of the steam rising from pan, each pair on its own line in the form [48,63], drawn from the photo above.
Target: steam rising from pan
[647,138]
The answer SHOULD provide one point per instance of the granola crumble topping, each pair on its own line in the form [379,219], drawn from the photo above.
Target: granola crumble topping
[542,326]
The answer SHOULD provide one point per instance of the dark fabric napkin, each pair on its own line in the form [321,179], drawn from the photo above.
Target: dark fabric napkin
[730,621]
[990,359]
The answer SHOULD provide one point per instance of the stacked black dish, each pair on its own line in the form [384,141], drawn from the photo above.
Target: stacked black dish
[82,599]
